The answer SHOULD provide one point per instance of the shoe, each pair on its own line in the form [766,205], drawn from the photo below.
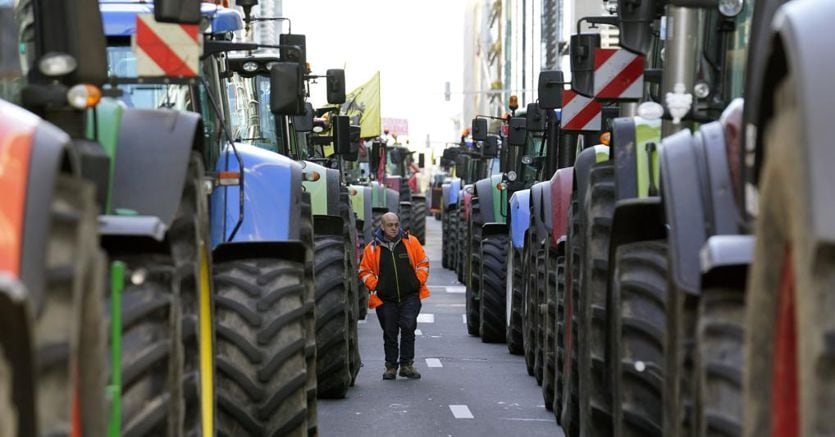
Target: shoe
[390,373]
[409,371]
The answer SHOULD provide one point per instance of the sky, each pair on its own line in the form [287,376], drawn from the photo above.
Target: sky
[417,47]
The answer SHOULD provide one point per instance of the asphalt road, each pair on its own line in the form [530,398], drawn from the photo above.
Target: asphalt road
[469,388]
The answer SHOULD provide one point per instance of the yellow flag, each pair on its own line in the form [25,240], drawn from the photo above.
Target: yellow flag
[363,103]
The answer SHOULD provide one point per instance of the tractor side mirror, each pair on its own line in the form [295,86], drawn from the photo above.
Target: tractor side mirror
[582,62]
[534,118]
[304,123]
[421,160]
[517,133]
[342,134]
[374,159]
[479,129]
[290,54]
[286,89]
[490,148]
[550,89]
[635,22]
[396,155]
[178,11]
[353,154]
[335,80]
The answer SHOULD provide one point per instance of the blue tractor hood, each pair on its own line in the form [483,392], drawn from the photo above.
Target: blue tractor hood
[520,217]
[272,198]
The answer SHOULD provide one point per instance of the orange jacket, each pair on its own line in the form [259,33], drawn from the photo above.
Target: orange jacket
[369,271]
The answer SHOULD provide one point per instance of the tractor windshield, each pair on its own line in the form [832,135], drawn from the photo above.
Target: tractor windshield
[121,63]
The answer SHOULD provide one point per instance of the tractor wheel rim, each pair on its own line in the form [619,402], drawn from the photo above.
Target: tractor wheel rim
[784,399]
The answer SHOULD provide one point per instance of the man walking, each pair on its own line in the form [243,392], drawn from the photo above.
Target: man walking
[395,268]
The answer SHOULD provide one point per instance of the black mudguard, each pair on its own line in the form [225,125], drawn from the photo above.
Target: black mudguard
[328,225]
[289,250]
[494,229]
[152,160]
[722,213]
[17,326]
[582,169]
[623,152]
[725,260]
[796,46]
[683,207]
[333,182]
[51,154]
[539,213]
[636,219]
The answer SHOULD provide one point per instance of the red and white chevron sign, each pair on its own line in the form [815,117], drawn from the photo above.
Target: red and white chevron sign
[618,74]
[580,113]
[165,49]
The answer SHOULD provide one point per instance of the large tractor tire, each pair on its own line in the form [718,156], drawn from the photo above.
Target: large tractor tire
[549,340]
[309,283]
[718,362]
[570,414]
[355,301]
[189,240]
[462,240]
[8,410]
[530,308]
[559,342]
[541,285]
[472,271]
[493,307]
[405,214]
[789,329]
[637,319]
[333,362]
[595,415]
[446,241]
[69,328]
[260,322]
[516,281]
[419,218]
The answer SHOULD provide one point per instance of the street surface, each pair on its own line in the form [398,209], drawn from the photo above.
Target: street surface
[468,388]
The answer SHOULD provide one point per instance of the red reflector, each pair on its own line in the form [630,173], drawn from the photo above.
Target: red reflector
[229,178]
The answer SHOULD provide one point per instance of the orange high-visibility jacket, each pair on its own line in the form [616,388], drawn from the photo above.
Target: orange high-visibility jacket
[369,271]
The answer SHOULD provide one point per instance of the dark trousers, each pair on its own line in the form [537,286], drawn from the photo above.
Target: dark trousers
[400,317]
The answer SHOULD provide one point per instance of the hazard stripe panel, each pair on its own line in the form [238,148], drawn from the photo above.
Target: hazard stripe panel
[17,128]
[618,74]
[165,49]
[580,113]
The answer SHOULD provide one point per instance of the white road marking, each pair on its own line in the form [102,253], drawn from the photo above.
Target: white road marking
[461,412]
[456,289]
[464,317]
[451,305]
[362,321]
[426,318]
[418,332]
[433,362]
[519,419]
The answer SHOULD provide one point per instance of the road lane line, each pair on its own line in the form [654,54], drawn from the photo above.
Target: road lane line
[433,362]
[464,317]
[418,332]
[456,289]
[362,321]
[461,412]
[426,318]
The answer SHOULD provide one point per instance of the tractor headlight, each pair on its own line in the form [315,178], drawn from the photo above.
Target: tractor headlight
[83,96]
[250,67]
[527,160]
[731,8]
[511,176]
[57,64]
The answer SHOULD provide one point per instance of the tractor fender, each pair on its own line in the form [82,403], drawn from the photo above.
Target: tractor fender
[722,213]
[358,201]
[451,193]
[392,199]
[623,154]
[540,231]
[560,197]
[681,164]
[28,169]
[17,326]
[637,219]
[272,198]
[796,47]
[490,199]
[158,143]
[288,250]
[520,217]
[582,167]
[488,229]
[324,190]
[328,225]
[724,260]
[467,200]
